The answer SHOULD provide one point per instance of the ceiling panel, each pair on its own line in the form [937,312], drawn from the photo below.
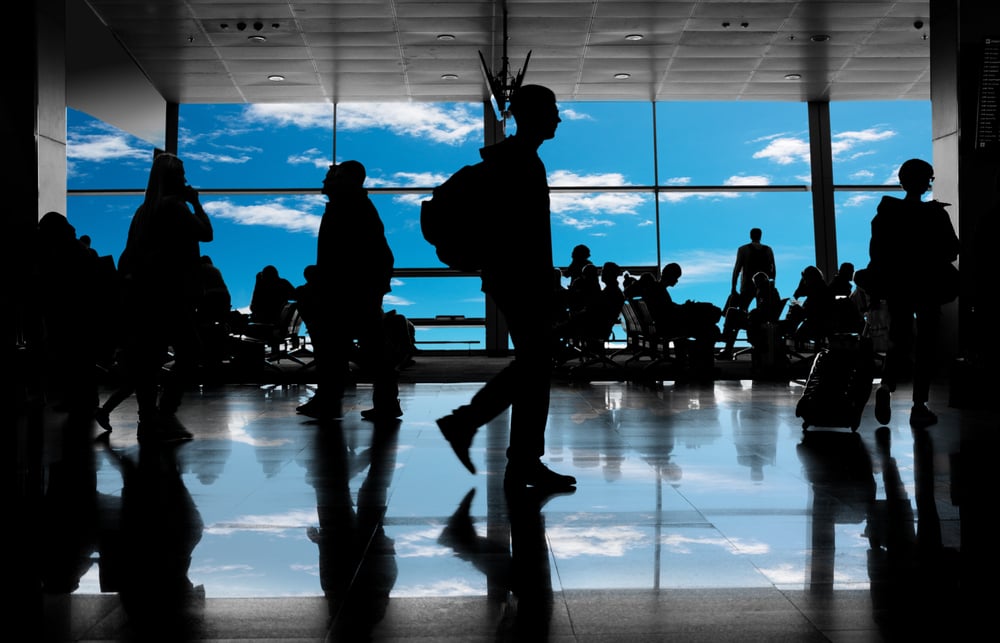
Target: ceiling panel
[200,51]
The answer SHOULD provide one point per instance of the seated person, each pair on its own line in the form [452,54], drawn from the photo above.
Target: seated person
[308,300]
[764,315]
[270,294]
[584,289]
[813,319]
[696,321]
[597,318]
[841,285]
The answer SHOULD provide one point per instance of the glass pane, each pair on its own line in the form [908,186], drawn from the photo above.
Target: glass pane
[702,232]
[616,226]
[101,156]
[606,144]
[256,146]
[105,218]
[429,297]
[853,233]
[714,143]
[872,139]
[409,144]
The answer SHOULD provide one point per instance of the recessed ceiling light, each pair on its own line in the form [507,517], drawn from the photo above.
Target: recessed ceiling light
[634,36]
[793,76]
[449,76]
[446,36]
[622,75]
[277,78]
[820,37]
[257,38]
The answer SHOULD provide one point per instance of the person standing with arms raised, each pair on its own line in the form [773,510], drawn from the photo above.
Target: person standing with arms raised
[518,217]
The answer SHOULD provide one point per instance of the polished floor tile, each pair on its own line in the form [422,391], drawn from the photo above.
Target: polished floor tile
[701,513]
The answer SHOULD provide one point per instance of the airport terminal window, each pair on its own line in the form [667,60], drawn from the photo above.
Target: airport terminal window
[732,143]
[870,141]
[701,232]
[281,154]
[256,146]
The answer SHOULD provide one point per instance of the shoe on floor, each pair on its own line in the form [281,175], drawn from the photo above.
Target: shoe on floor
[460,439]
[883,408]
[537,475]
[319,410]
[162,427]
[393,412]
[103,419]
[920,415]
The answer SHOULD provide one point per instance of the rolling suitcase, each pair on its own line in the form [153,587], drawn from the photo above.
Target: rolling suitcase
[839,385]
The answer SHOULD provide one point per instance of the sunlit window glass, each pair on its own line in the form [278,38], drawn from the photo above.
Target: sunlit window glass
[732,143]
[702,231]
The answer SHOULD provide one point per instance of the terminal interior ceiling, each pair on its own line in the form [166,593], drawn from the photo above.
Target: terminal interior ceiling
[203,51]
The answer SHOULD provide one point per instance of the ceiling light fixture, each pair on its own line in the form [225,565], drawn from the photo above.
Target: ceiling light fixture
[445,36]
[820,37]
[634,36]
[793,76]
[277,78]
[622,75]
[257,38]
[449,76]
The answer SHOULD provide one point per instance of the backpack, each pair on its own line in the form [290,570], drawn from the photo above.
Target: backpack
[452,220]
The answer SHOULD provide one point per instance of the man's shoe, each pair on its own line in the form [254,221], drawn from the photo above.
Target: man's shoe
[920,415]
[320,410]
[376,414]
[537,475]
[171,430]
[460,439]
[103,419]
[883,408]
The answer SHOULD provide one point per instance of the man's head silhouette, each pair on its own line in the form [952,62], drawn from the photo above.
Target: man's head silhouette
[535,111]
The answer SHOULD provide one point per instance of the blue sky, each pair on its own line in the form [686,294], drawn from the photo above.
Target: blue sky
[606,145]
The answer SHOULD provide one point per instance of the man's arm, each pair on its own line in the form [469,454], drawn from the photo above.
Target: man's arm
[737,268]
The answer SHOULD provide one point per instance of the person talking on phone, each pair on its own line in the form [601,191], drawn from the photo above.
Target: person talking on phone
[160,268]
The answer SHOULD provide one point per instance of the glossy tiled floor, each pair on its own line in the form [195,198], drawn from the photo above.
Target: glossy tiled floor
[701,514]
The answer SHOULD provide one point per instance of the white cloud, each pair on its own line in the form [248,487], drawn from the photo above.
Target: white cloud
[411,199]
[784,150]
[275,214]
[562,203]
[435,122]
[787,149]
[303,116]
[679,180]
[570,114]
[700,266]
[418,179]
[596,202]
[312,157]
[585,224]
[863,174]
[103,147]
[391,301]
[213,159]
[747,180]
[858,200]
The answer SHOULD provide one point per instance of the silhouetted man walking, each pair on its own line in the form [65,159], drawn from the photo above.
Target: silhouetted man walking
[521,285]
